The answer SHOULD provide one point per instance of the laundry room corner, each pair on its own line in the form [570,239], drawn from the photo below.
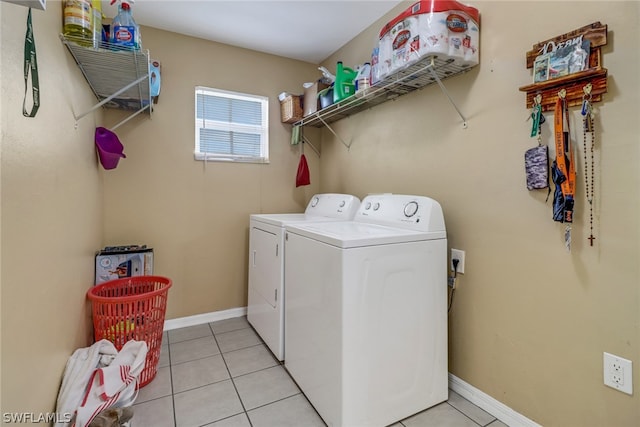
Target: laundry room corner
[195,213]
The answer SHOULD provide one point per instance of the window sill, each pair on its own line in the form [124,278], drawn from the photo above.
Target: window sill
[231,159]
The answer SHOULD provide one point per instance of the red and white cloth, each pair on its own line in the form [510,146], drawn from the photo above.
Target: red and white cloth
[99,377]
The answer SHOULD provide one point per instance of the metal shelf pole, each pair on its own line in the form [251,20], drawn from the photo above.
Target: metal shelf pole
[444,90]
[109,98]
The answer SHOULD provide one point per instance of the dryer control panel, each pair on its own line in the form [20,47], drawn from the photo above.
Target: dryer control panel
[341,206]
[399,210]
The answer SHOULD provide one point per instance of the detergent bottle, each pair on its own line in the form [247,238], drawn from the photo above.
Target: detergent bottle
[125,33]
[96,23]
[344,85]
[78,21]
[363,79]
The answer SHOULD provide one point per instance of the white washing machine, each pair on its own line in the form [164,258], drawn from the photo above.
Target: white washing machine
[265,308]
[366,311]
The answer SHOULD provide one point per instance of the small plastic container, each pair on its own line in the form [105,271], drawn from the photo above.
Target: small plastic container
[110,149]
[132,309]
[326,97]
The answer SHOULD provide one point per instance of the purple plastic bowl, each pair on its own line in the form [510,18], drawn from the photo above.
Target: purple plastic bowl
[110,150]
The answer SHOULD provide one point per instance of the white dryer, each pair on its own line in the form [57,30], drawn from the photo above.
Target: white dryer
[366,311]
[265,307]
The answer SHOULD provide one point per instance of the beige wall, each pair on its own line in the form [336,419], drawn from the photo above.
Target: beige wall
[530,321]
[51,191]
[196,215]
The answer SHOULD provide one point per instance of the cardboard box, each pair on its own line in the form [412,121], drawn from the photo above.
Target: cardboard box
[118,262]
[311,101]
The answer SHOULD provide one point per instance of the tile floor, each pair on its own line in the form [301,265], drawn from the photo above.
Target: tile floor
[221,374]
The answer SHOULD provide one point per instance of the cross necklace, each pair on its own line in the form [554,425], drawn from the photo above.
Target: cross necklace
[588,130]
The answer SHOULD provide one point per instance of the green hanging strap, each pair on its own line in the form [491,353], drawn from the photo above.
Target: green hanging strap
[30,64]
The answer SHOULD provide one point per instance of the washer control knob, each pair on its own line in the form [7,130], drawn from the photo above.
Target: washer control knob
[410,209]
[314,202]
[367,206]
[342,203]
[376,206]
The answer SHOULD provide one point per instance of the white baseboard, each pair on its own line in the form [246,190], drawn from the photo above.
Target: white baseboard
[199,319]
[489,404]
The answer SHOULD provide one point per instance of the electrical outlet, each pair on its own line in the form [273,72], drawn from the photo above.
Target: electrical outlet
[618,373]
[459,255]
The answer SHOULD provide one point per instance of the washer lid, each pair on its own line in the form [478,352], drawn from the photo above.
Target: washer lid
[321,207]
[279,220]
[353,234]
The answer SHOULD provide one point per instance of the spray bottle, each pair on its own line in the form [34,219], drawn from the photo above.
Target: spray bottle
[125,32]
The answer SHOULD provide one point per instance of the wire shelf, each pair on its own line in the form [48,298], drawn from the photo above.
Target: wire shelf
[414,77]
[118,77]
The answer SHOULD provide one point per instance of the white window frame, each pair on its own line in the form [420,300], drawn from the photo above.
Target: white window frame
[261,130]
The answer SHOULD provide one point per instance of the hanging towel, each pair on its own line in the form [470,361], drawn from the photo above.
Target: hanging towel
[295,135]
[78,372]
[113,385]
[302,177]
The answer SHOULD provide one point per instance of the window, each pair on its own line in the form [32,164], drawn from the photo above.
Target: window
[231,126]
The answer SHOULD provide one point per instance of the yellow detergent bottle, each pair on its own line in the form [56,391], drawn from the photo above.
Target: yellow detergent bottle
[78,21]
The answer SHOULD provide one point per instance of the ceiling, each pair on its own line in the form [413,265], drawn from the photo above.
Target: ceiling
[307,30]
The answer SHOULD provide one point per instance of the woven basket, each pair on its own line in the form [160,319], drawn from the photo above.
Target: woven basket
[291,109]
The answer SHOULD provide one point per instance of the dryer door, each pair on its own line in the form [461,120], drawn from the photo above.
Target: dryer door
[265,271]
[266,282]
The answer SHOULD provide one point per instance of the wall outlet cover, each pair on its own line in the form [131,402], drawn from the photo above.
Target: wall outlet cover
[618,373]
[459,255]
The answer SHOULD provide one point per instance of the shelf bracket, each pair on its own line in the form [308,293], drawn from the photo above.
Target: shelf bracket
[129,117]
[444,90]
[112,96]
[335,134]
[315,150]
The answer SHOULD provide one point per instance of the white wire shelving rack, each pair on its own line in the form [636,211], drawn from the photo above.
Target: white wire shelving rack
[424,72]
[119,78]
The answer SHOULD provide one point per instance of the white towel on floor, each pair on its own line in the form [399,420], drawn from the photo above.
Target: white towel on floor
[80,366]
[99,377]
[113,385]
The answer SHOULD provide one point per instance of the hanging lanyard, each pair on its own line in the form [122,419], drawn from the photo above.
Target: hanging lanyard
[564,157]
[30,64]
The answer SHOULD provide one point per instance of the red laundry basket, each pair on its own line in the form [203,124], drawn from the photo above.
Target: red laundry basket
[132,308]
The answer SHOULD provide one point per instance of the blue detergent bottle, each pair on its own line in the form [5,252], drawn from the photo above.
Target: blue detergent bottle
[125,33]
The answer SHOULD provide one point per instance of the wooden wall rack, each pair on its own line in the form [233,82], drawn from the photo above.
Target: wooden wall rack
[573,83]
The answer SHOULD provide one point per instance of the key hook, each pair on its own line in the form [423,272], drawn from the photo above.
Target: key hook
[587,91]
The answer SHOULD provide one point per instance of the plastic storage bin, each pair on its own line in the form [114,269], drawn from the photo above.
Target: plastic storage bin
[132,308]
